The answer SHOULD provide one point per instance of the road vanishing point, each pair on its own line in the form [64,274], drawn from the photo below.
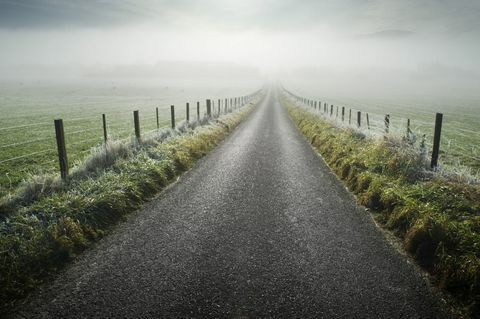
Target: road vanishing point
[259,228]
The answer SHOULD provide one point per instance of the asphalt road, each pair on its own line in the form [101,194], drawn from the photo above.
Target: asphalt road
[259,228]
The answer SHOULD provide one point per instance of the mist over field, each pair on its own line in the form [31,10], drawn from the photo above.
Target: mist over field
[352,47]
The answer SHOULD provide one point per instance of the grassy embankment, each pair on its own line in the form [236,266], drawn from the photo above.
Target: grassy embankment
[81,133]
[48,222]
[437,219]
[459,149]
[27,133]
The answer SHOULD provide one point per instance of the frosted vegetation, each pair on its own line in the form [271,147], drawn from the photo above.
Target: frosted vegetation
[459,153]
[29,106]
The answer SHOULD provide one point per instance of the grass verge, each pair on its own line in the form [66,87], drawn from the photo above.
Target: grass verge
[436,218]
[49,222]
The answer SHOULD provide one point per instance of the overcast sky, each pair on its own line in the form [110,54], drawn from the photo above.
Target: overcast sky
[429,36]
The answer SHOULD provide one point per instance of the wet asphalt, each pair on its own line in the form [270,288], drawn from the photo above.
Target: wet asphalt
[258,228]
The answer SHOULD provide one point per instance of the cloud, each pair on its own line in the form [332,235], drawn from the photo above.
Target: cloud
[271,15]
[274,33]
[387,34]
[55,14]
[347,16]
[435,17]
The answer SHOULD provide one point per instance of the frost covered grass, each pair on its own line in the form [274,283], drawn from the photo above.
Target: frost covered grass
[437,217]
[460,135]
[48,222]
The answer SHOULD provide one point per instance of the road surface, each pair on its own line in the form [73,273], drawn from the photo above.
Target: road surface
[259,228]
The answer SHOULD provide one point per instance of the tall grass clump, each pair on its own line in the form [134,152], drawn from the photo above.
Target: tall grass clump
[49,221]
[436,216]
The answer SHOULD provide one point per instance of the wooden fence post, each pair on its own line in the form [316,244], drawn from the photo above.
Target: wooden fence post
[104,122]
[331,110]
[172,115]
[209,108]
[436,140]
[343,113]
[387,123]
[350,117]
[336,116]
[219,101]
[198,111]
[136,124]
[62,149]
[158,118]
[408,129]
[359,118]
[188,112]
[226,105]
[368,122]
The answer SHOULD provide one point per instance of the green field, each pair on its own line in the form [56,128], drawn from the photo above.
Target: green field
[460,139]
[27,134]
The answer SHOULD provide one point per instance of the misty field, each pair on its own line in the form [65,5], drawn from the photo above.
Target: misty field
[27,134]
[460,139]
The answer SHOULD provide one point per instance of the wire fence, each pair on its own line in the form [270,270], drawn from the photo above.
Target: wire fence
[40,147]
[455,149]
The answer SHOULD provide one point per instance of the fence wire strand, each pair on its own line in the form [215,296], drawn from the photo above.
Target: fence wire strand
[26,155]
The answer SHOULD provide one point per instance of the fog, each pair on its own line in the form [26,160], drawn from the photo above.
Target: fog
[351,47]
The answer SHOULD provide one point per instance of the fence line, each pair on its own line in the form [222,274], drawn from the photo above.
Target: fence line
[67,141]
[385,125]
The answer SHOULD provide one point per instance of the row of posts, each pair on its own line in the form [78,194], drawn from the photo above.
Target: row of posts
[227,105]
[437,129]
